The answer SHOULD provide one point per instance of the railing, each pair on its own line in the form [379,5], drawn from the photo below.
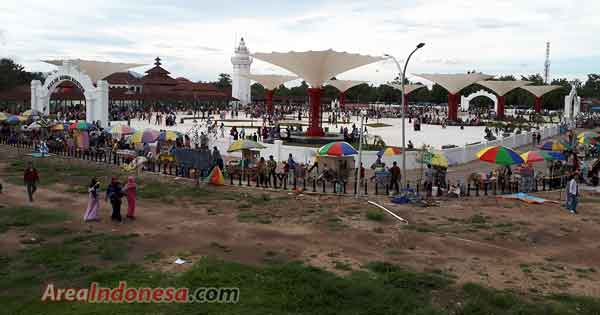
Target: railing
[352,186]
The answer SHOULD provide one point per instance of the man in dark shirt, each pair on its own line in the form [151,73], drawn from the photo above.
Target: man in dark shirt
[31,178]
[395,178]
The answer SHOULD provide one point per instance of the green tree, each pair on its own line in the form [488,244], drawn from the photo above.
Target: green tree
[224,81]
[13,74]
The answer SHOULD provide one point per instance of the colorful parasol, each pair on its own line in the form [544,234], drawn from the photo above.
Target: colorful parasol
[440,160]
[588,137]
[3,116]
[122,130]
[59,127]
[390,151]
[31,114]
[500,155]
[244,144]
[554,145]
[169,135]
[339,148]
[539,156]
[14,119]
[145,136]
[81,125]
[35,125]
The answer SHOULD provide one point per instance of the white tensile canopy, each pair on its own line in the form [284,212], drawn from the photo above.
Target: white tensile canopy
[271,81]
[344,85]
[97,70]
[408,88]
[453,83]
[503,87]
[540,90]
[316,67]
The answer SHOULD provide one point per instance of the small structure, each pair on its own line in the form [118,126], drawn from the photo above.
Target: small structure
[538,92]
[343,86]
[408,88]
[453,83]
[466,100]
[316,67]
[240,83]
[270,82]
[502,88]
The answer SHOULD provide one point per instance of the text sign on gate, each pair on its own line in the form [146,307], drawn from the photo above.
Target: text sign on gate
[61,78]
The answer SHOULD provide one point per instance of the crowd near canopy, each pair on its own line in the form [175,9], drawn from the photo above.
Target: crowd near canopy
[408,88]
[540,90]
[96,70]
[344,85]
[503,87]
[271,81]
[453,83]
[316,67]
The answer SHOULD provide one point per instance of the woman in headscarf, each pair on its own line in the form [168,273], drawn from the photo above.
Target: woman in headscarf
[114,193]
[91,213]
[130,190]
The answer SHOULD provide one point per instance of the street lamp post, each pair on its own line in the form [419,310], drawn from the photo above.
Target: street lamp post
[403,72]
[362,115]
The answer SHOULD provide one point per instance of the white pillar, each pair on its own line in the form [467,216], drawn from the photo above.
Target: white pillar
[101,104]
[35,89]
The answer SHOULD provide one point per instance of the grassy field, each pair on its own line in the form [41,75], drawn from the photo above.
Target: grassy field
[63,258]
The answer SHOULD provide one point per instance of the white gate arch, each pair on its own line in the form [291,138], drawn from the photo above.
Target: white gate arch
[466,100]
[96,97]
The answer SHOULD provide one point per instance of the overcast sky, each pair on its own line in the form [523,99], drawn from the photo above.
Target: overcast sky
[196,39]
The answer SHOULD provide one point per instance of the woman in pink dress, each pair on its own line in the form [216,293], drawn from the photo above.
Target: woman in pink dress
[91,213]
[130,190]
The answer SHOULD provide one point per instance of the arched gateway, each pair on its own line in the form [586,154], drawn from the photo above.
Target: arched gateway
[96,97]
[466,100]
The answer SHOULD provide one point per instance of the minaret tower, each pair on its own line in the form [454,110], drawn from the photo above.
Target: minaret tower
[241,70]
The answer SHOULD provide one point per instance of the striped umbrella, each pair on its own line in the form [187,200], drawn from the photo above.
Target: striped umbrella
[588,137]
[59,127]
[81,125]
[539,156]
[500,155]
[339,148]
[390,151]
[244,144]
[145,136]
[554,145]
[31,114]
[169,135]
[122,130]
[14,120]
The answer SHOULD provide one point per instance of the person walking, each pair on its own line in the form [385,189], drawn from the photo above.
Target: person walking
[131,191]
[292,169]
[572,194]
[396,175]
[428,180]
[91,213]
[114,193]
[31,178]
[217,158]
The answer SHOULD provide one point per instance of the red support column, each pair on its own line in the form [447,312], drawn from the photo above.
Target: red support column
[452,107]
[342,100]
[269,101]
[538,105]
[501,103]
[314,114]
[405,96]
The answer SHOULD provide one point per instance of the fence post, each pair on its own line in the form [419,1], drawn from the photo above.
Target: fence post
[366,188]
[468,189]
[314,185]
[376,188]
[248,178]
[324,188]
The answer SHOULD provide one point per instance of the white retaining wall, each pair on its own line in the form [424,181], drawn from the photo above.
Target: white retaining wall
[455,156]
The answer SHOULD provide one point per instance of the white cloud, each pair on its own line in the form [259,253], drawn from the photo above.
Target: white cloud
[488,35]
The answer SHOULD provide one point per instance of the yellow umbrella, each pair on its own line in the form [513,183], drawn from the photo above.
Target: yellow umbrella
[244,145]
[3,117]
